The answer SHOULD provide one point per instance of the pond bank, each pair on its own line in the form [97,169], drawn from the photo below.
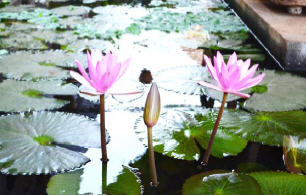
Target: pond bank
[283,34]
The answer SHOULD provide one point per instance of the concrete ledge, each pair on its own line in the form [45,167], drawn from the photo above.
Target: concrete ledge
[283,34]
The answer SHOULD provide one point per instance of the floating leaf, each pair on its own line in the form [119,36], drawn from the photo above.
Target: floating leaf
[71,10]
[280,182]
[65,184]
[127,183]
[220,182]
[22,153]
[19,96]
[32,66]
[177,132]
[167,20]
[280,94]
[183,79]
[265,127]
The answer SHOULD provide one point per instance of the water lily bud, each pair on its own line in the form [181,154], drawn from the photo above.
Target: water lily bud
[152,107]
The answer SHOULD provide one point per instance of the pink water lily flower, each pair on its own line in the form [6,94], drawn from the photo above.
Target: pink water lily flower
[104,71]
[232,77]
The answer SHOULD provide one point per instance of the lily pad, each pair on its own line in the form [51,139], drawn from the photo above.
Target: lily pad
[178,131]
[183,79]
[65,184]
[127,183]
[265,127]
[280,182]
[19,96]
[167,20]
[284,92]
[22,153]
[220,182]
[71,10]
[38,66]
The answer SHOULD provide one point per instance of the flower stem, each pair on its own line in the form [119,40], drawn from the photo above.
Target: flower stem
[102,130]
[104,177]
[152,159]
[214,132]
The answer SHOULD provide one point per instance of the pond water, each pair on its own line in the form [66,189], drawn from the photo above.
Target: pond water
[166,39]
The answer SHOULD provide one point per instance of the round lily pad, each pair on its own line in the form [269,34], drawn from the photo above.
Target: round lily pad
[65,184]
[220,182]
[42,65]
[71,10]
[183,79]
[19,96]
[284,92]
[280,182]
[178,130]
[265,127]
[33,143]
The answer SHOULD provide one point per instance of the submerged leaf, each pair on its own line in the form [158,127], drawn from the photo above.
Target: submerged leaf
[295,154]
[16,96]
[38,142]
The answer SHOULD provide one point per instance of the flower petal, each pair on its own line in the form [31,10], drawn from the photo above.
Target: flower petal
[80,79]
[205,84]
[243,95]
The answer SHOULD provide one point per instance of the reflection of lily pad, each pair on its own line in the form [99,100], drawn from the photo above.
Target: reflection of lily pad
[34,65]
[16,96]
[65,184]
[183,79]
[25,148]
[71,10]
[285,92]
[265,127]
[177,131]
[280,183]
[220,182]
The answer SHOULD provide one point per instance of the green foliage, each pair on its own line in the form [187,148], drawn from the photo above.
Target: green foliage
[44,140]
[219,182]
[280,183]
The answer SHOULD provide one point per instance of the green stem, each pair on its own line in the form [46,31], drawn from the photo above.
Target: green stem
[102,130]
[104,177]
[214,132]
[152,159]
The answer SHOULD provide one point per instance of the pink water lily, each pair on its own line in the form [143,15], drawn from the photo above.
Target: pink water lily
[232,77]
[104,71]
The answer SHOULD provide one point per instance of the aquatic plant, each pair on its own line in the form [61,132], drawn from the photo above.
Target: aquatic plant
[232,77]
[104,71]
[150,116]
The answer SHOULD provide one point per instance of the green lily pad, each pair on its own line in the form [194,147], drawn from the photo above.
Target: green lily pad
[19,96]
[22,153]
[280,182]
[127,183]
[21,40]
[71,10]
[220,182]
[177,131]
[65,184]
[186,78]
[280,94]
[33,65]
[86,44]
[265,127]
[167,20]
